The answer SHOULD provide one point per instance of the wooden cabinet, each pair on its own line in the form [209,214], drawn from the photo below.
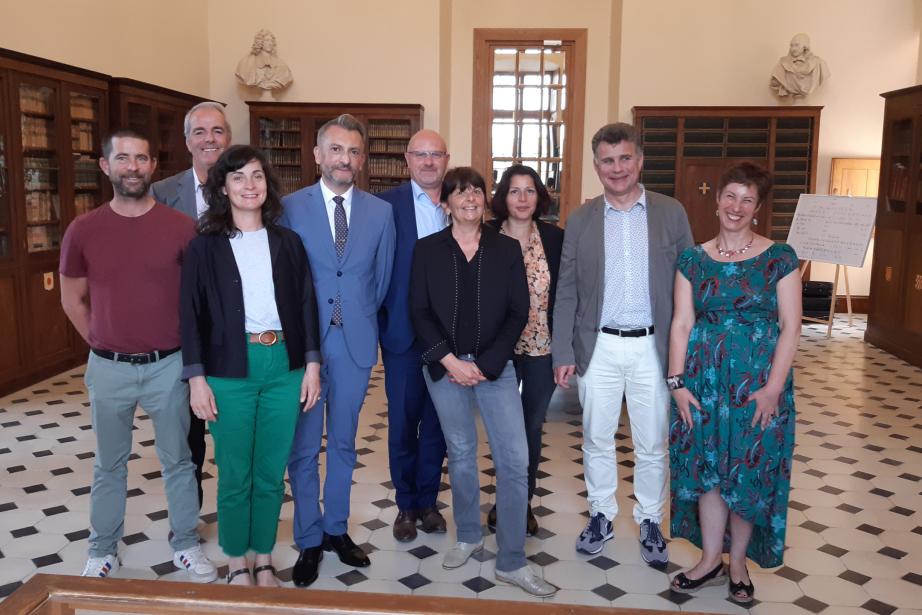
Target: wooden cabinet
[158,113]
[895,315]
[53,118]
[287,132]
[686,149]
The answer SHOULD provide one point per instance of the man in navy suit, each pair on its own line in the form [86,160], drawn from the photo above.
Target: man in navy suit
[349,237]
[416,447]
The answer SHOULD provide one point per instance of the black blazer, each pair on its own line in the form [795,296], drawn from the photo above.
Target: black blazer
[214,339]
[552,242]
[502,300]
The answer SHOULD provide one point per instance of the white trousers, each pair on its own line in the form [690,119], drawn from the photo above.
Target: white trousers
[625,366]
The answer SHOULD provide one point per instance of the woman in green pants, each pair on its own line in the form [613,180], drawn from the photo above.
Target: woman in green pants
[249,328]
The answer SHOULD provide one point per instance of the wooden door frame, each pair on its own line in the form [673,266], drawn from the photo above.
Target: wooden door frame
[482,92]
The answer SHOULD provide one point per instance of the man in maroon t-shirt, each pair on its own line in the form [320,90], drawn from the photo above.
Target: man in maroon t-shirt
[120,278]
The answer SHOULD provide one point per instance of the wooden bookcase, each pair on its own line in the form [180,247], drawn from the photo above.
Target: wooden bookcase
[287,132]
[52,119]
[895,314]
[157,112]
[686,149]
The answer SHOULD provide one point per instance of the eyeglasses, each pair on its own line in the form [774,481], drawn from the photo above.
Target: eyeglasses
[436,156]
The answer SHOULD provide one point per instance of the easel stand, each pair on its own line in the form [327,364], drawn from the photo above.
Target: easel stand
[832,303]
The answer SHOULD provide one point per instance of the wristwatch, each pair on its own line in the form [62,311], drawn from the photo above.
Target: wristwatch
[675,382]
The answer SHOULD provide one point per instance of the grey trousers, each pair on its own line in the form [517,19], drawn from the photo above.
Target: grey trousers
[115,390]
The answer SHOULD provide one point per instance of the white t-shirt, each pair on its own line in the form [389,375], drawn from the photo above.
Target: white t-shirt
[251,251]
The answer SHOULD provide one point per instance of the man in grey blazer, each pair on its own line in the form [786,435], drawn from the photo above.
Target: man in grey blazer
[612,316]
[207,134]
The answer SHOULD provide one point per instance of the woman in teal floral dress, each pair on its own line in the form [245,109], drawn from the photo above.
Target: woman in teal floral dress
[734,335]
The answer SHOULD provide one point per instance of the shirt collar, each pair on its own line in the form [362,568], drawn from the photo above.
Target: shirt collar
[329,194]
[419,192]
[641,200]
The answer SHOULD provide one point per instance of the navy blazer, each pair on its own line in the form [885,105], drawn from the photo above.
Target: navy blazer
[552,242]
[501,300]
[394,326]
[363,275]
[214,340]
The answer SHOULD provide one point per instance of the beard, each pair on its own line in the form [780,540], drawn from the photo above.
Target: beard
[123,189]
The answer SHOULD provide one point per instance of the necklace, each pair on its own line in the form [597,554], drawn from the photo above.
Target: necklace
[732,253]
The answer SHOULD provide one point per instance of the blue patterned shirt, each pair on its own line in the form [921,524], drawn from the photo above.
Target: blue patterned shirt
[626,302]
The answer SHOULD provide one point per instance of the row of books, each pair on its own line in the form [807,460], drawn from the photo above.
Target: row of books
[385,146]
[35,100]
[396,167]
[82,107]
[279,139]
[40,179]
[83,203]
[396,129]
[284,156]
[39,238]
[285,124]
[37,133]
[41,206]
[82,136]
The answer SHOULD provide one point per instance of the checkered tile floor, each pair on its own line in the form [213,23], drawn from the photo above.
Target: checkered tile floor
[854,525]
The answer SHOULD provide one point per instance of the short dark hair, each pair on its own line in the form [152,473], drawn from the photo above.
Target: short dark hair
[461,178]
[218,218]
[346,121]
[747,174]
[498,204]
[122,133]
[613,134]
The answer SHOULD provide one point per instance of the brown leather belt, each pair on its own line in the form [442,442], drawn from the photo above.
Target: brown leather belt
[266,338]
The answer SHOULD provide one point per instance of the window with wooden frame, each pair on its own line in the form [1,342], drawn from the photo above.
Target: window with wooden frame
[528,101]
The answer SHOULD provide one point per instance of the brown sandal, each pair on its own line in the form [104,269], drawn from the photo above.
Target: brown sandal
[237,573]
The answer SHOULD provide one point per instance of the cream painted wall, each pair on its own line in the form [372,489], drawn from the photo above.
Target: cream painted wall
[363,51]
[163,42]
[716,52]
[594,15]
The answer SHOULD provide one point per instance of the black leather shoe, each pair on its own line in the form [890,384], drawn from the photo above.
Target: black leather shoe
[405,526]
[349,553]
[432,520]
[491,519]
[531,523]
[305,570]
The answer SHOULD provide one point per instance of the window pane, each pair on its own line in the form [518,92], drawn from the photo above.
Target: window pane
[504,79]
[503,137]
[531,99]
[504,98]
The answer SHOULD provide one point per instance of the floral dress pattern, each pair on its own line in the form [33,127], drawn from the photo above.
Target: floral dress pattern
[535,340]
[729,356]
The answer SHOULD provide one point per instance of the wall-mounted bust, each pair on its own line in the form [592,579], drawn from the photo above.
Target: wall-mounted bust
[261,67]
[800,72]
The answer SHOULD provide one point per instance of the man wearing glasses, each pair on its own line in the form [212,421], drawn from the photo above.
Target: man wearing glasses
[416,447]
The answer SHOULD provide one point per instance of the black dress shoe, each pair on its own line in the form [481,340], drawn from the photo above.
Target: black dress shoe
[349,553]
[305,570]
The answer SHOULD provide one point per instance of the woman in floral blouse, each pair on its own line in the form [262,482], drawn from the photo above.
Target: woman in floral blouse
[520,199]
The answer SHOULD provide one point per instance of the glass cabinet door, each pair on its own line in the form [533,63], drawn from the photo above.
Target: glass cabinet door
[85,114]
[280,140]
[41,167]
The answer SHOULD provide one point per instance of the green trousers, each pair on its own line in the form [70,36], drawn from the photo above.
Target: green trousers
[253,432]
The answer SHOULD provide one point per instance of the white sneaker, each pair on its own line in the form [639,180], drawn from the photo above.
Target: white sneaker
[101,566]
[197,564]
[458,555]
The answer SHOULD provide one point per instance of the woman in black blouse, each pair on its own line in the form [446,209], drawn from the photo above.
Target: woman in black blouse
[469,303]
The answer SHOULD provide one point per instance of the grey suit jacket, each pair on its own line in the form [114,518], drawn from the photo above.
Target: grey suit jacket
[581,282]
[178,192]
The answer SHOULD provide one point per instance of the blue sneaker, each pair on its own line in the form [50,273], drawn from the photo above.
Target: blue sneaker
[592,539]
[652,545]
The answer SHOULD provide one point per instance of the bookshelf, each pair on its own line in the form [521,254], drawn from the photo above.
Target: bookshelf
[157,112]
[287,133]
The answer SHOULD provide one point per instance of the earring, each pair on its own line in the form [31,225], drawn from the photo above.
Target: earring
[755,222]
[717,213]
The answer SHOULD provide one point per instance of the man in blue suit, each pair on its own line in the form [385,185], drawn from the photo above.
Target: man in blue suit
[416,447]
[349,237]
